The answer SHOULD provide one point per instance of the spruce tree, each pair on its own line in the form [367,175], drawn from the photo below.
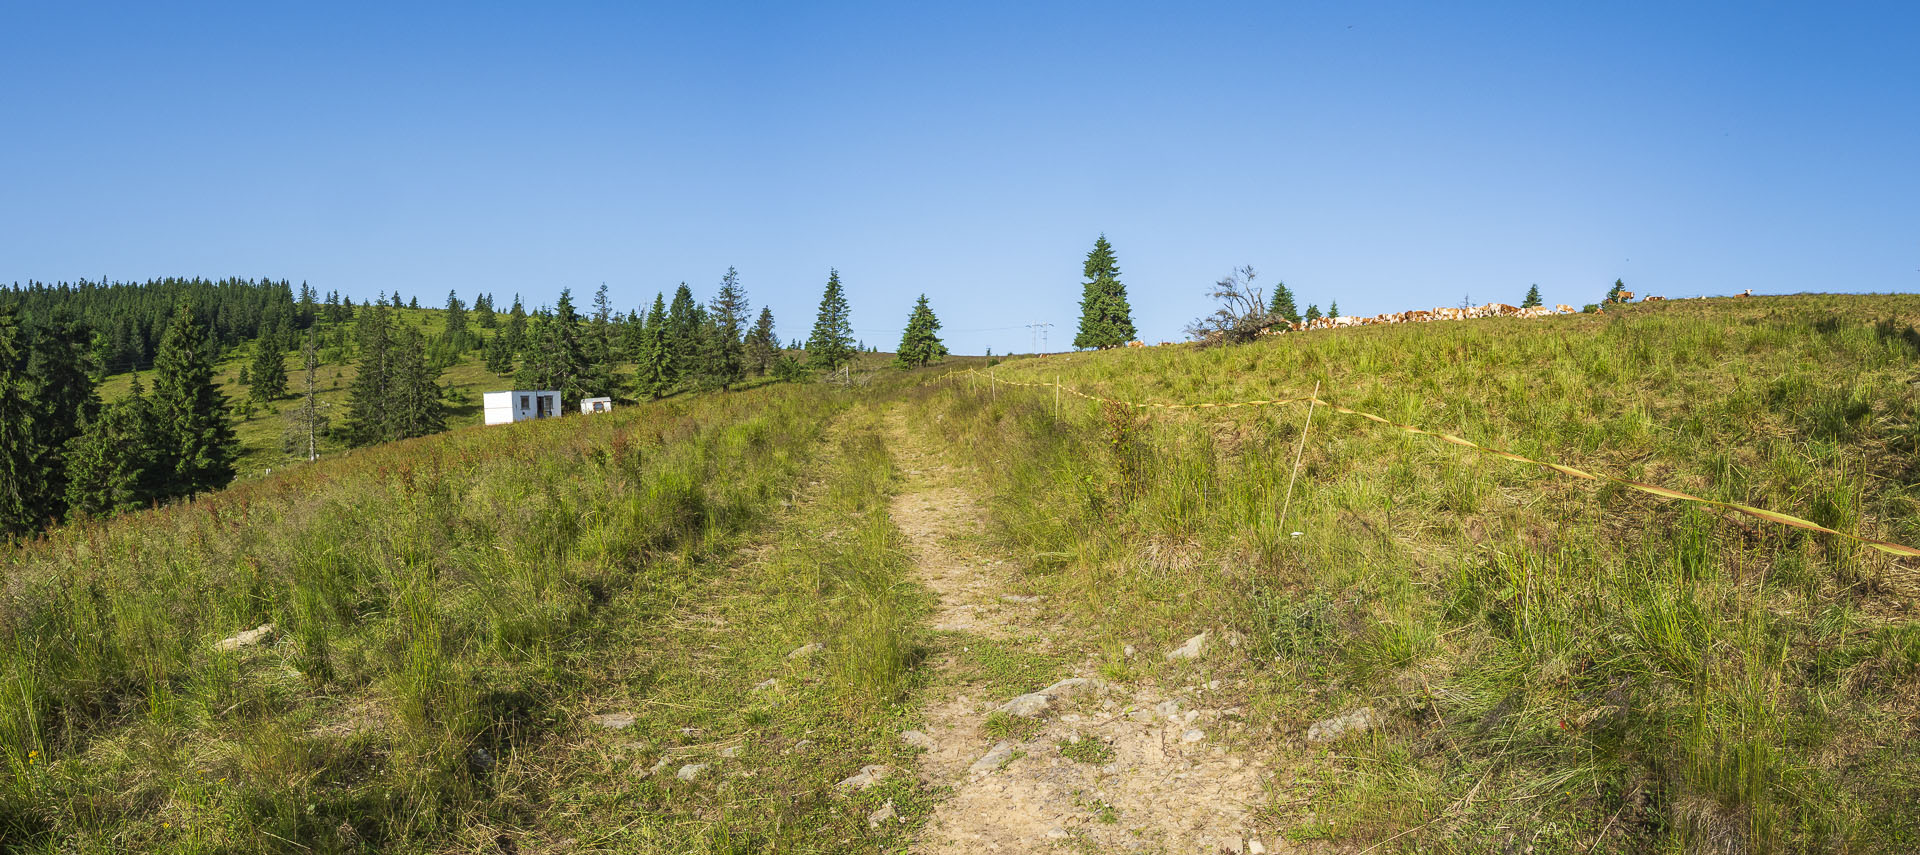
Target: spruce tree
[729,313]
[1613,294]
[1313,312]
[1106,319]
[1333,309]
[498,355]
[653,374]
[109,466]
[682,337]
[831,344]
[483,314]
[919,345]
[19,452]
[458,338]
[267,374]
[1282,304]
[414,398]
[190,426]
[557,359]
[601,348]
[1533,297]
[61,371]
[516,331]
[762,346]
[367,405]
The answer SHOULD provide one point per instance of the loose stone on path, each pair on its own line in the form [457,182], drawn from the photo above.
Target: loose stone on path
[992,760]
[1190,650]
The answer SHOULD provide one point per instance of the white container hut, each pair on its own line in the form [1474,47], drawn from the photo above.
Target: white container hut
[597,405]
[520,405]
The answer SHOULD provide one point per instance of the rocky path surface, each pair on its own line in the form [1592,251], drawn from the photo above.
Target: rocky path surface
[1078,765]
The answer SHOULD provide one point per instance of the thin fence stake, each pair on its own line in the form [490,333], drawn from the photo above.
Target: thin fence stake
[1284,505]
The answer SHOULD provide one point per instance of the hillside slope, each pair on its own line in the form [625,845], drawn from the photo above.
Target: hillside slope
[1547,663]
[599,633]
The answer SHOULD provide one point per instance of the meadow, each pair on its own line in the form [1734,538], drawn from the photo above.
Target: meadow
[520,638]
[1557,664]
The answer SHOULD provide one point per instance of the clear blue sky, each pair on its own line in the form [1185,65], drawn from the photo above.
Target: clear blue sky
[1389,156]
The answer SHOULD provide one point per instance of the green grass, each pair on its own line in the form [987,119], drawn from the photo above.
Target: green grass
[1554,659]
[451,612]
[1558,665]
[1086,750]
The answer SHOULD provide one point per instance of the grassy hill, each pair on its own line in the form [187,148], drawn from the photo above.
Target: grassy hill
[1555,662]
[512,639]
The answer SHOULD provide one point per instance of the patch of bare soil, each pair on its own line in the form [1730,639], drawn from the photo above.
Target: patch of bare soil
[1079,766]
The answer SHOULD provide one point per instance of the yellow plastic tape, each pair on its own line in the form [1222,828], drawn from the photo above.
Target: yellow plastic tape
[1650,489]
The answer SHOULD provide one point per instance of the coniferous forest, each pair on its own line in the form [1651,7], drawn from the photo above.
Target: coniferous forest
[121,395]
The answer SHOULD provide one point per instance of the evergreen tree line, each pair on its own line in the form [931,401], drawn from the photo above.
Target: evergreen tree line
[126,320]
[63,453]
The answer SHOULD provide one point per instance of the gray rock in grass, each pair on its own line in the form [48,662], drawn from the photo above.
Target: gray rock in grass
[1034,704]
[991,761]
[248,638]
[614,720]
[806,650]
[1190,650]
[1343,725]
[691,771]
[864,779]
[883,815]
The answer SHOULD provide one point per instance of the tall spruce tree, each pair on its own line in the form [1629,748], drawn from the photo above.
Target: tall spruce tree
[831,344]
[1282,304]
[1313,312]
[762,345]
[456,336]
[1532,300]
[516,331]
[190,426]
[682,336]
[19,451]
[1106,319]
[483,314]
[920,345]
[367,406]
[415,402]
[1333,309]
[61,370]
[653,372]
[1613,294]
[557,359]
[601,348]
[728,310]
[267,373]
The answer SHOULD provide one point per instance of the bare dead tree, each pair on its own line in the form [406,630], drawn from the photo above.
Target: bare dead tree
[1242,314]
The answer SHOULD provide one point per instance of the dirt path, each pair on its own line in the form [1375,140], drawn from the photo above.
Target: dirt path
[1085,764]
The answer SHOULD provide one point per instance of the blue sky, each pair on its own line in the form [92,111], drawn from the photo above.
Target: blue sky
[1385,155]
